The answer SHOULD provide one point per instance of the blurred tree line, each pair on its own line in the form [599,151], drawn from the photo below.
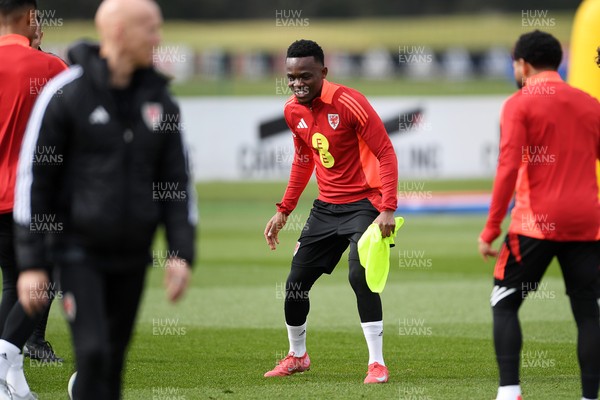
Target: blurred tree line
[240,9]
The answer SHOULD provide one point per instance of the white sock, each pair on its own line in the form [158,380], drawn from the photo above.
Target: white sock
[16,377]
[585,398]
[374,335]
[509,392]
[8,354]
[297,338]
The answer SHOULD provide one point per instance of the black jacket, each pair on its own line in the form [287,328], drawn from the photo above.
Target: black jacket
[100,169]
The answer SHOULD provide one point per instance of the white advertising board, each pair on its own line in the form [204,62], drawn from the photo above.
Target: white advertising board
[245,138]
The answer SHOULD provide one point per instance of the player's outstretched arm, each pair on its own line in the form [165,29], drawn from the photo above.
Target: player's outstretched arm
[275,224]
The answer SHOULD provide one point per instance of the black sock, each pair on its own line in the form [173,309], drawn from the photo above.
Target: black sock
[368,302]
[297,287]
[18,326]
[508,339]
[507,342]
[588,344]
[39,332]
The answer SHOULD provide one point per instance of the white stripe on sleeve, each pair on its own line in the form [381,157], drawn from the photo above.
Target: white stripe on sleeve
[22,207]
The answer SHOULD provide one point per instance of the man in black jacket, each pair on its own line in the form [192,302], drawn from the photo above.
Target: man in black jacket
[123,171]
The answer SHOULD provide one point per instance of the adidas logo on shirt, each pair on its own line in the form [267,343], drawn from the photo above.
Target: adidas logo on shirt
[302,124]
[99,116]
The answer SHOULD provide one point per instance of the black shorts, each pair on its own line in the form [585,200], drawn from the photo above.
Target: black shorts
[7,249]
[523,261]
[329,230]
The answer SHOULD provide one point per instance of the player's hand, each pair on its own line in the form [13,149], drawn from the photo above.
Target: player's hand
[485,249]
[32,288]
[275,224]
[177,278]
[386,223]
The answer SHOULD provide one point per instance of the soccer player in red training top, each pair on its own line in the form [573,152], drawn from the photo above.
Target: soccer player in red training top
[336,132]
[549,144]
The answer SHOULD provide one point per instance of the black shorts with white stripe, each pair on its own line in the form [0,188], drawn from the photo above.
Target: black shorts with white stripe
[523,261]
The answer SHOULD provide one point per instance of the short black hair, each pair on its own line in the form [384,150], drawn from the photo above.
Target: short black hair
[7,7]
[306,48]
[540,49]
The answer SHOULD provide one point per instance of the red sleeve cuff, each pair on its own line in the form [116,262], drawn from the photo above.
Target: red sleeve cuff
[282,209]
[488,234]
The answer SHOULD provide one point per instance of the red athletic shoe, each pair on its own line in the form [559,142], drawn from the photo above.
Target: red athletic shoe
[519,397]
[377,373]
[290,365]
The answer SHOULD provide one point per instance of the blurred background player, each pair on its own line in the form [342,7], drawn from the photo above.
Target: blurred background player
[37,347]
[336,131]
[549,146]
[103,192]
[23,73]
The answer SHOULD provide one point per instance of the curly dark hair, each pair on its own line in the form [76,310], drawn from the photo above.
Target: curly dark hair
[9,6]
[306,48]
[540,49]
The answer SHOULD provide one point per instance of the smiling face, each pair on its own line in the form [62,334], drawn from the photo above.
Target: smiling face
[305,77]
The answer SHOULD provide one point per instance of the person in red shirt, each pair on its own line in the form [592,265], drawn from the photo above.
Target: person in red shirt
[337,133]
[23,73]
[549,146]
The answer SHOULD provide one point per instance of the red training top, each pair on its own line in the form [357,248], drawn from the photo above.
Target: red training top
[23,73]
[344,137]
[550,141]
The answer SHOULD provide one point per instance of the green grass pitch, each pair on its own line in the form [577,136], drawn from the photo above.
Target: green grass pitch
[229,329]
